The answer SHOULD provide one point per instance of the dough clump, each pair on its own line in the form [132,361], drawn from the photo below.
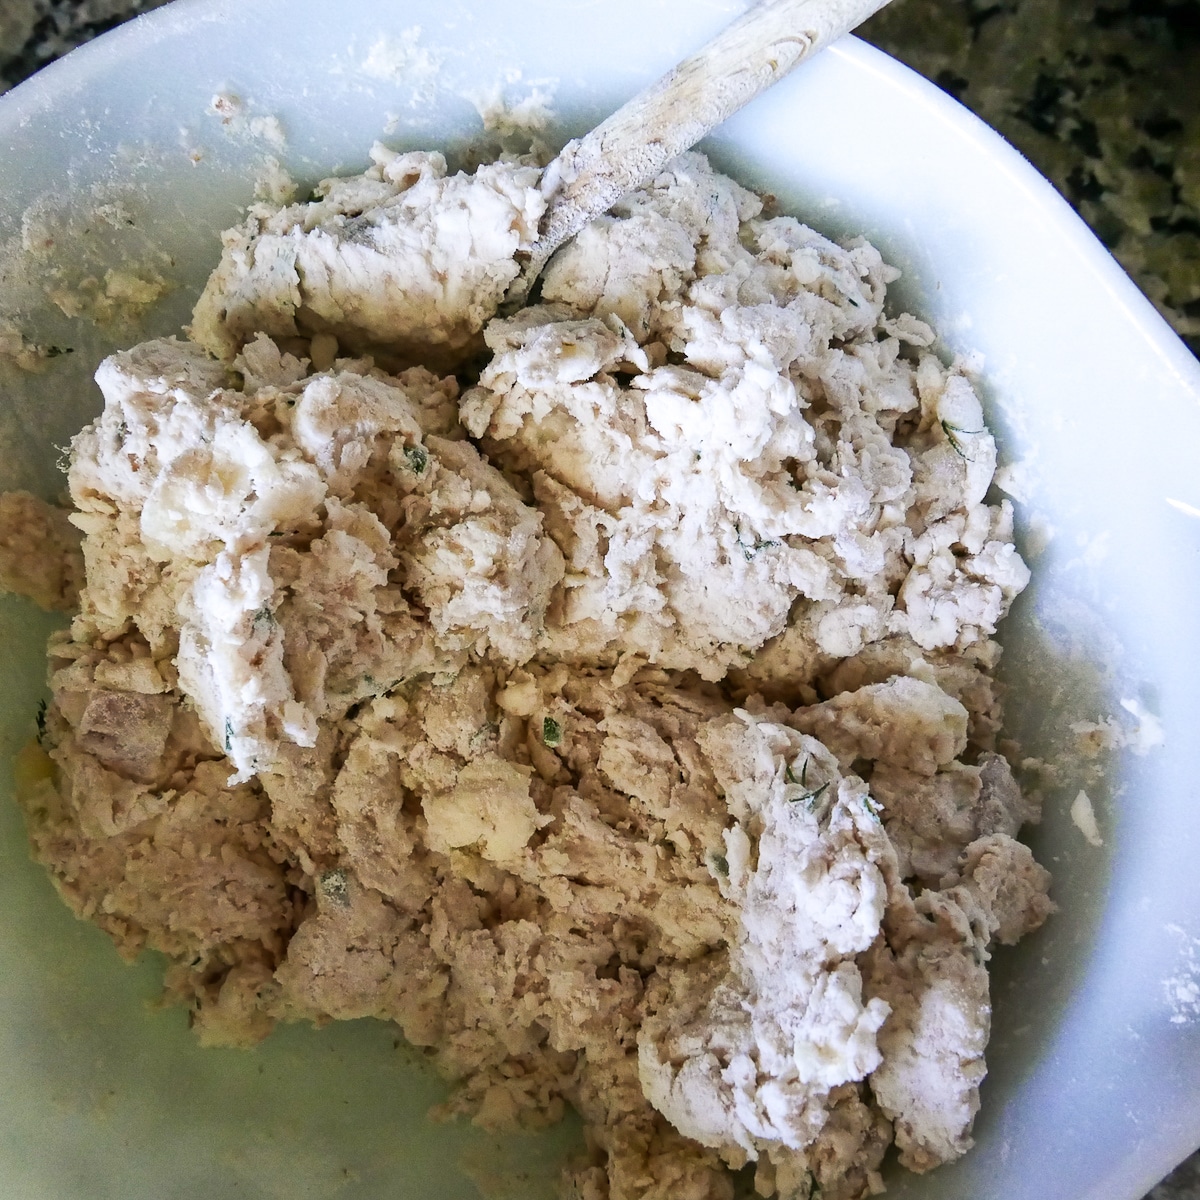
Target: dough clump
[615,716]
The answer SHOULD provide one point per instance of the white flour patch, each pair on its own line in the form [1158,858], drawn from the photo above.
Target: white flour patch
[1039,535]
[1015,480]
[1187,509]
[506,114]
[1148,733]
[1183,988]
[274,183]
[1094,738]
[1084,817]
[403,60]
[239,123]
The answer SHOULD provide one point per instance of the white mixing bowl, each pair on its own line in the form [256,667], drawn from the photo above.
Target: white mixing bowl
[110,160]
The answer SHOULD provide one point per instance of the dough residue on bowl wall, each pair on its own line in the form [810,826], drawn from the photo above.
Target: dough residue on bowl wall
[603,693]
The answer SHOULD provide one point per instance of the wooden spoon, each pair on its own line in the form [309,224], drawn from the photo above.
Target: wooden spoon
[592,173]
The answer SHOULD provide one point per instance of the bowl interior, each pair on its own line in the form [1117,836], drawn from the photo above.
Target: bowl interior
[111,161]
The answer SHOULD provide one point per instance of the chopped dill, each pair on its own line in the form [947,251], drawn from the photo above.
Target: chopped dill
[335,886]
[751,550]
[810,800]
[953,432]
[809,797]
[551,732]
[814,797]
[719,863]
[790,775]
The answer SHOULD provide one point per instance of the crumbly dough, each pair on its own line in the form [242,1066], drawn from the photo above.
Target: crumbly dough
[620,725]
[401,256]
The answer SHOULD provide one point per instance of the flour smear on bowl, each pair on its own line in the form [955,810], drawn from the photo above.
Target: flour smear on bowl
[603,693]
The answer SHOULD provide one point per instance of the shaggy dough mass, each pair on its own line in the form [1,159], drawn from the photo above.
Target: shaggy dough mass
[620,725]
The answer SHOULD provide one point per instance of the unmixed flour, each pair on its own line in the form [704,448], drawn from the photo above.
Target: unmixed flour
[602,693]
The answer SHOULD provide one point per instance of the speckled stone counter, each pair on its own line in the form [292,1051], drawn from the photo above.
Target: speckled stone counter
[1102,95]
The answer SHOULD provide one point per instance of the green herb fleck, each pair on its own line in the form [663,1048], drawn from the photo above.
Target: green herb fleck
[750,550]
[813,798]
[264,616]
[719,863]
[790,775]
[228,735]
[551,732]
[418,459]
[41,721]
[335,886]
[869,805]
[953,432]
[810,800]
[56,351]
[809,797]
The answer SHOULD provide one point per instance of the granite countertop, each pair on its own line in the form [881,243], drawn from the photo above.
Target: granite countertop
[1103,96]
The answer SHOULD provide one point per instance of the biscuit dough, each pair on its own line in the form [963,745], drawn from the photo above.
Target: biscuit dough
[615,716]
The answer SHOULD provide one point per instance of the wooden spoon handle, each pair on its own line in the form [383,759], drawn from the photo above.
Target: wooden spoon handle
[591,173]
